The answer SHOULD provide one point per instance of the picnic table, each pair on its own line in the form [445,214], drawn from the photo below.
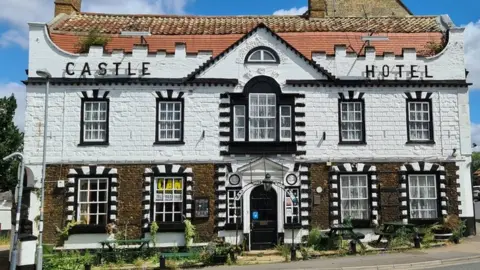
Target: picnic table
[390,229]
[336,230]
[127,243]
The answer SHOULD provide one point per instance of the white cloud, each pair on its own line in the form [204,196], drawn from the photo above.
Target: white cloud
[18,91]
[472,53]
[17,13]
[292,11]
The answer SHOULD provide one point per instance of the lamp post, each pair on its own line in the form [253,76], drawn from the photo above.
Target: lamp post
[47,76]
[13,261]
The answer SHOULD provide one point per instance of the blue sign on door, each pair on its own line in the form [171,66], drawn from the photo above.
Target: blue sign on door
[255,215]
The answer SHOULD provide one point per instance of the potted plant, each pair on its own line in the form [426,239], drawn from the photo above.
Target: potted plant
[445,229]
[221,254]
[458,232]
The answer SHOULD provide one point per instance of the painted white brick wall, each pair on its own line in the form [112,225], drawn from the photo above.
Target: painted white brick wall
[132,125]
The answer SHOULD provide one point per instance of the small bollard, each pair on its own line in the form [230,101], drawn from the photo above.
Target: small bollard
[293,254]
[88,267]
[353,247]
[162,262]
[416,241]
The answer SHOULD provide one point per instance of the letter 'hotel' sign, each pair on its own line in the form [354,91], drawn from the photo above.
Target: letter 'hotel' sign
[397,71]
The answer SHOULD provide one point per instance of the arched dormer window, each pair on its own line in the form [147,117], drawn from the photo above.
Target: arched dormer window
[262,54]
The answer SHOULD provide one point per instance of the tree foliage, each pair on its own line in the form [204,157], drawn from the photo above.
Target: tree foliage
[475,161]
[11,140]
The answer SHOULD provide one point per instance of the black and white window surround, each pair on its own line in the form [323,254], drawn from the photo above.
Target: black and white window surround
[354,194]
[92,196]
[221,198]
[260,120]
[170,118]
[419,117]
[167,197]
[423,197]
[351,118]
[94,122]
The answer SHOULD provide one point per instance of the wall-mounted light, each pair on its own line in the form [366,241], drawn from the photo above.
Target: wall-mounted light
[267,182]
[454,153]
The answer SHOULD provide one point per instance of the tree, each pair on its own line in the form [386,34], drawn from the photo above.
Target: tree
[475,161]
[11,140]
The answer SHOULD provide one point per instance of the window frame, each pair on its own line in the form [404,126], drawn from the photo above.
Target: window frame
[431,140]
[159,141]
[264,85]
[153,200]
[280,116]
[365,222]
[235,127]
[229,225]
[363,133]
[275,118]
[107,199]
[83,141]
[262,49]
[438,195]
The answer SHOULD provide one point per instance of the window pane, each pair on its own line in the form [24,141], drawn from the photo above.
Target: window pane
[354,196]
[351,121]
[267,56]
[423,197]
[256,56]
[170,121]
[419,121]
[262,118]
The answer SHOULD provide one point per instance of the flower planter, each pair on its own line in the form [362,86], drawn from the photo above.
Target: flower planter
[442,235]
[219,259]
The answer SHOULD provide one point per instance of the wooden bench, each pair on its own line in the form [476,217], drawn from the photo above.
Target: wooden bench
[110,243]
[177,255]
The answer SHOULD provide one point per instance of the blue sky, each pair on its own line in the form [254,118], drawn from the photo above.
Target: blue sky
[14,15]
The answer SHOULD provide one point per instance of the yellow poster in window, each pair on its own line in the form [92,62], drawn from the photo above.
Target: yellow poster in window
[160,185]
[169,185]
[178,184]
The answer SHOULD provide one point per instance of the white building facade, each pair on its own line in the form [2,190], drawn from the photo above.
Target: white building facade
[141,137]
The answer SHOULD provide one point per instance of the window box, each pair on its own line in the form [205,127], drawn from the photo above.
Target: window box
[87,228]
[262,148]
[171,227]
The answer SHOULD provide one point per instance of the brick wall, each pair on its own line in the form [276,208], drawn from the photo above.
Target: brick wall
[358,8]
[129,199]
[67,6]
[388,179]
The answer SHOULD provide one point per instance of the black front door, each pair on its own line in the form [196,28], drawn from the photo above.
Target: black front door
[263,216]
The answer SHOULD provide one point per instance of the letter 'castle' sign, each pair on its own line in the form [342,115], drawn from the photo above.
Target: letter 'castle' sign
[103,69]
[396,71]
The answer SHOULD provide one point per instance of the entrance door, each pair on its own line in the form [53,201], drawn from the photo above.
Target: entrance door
[263,216]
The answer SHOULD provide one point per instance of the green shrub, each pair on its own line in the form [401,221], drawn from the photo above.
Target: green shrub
[317,239]
[402,238]
[306,252]
[284,251]
[94,38]
[190,232]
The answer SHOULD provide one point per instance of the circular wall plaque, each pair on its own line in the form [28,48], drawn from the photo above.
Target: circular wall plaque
[234,179]
[292,179]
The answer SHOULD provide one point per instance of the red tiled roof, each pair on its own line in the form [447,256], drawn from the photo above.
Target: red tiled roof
[217,33]
[223,25]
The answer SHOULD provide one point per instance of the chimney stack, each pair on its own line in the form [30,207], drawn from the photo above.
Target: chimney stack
[317,8]
[67,6]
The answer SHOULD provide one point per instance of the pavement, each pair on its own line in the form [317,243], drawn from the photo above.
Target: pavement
[465,256]
[451,256]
